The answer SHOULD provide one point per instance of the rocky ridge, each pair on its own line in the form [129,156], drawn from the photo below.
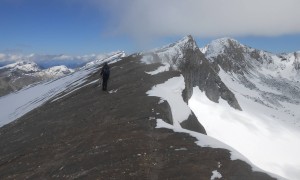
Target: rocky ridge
[87,133]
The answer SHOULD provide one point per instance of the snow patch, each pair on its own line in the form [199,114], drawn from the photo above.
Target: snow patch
[165,67]
[181,149]
[147,59]
[171,91]
[215,175]
[203,49]
[113,91]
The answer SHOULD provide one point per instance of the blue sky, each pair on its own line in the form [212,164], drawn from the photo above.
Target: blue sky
[52,26]
[80,27]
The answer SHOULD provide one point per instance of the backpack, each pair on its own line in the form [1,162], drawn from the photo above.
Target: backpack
[105,71]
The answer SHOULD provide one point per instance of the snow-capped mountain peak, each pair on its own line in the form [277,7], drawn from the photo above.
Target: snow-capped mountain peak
[226,41]
[57,71]
[25,66]
[222,45]
[186,42]
[173,54]
[235,57]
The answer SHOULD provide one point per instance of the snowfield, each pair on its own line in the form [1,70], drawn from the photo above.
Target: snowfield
[165,67]
[267,131]
[269,144]
[171,91]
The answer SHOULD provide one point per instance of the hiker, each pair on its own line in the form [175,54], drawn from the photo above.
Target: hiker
[105,75]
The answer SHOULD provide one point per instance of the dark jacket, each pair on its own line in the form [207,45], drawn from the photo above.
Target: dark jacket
[105,72]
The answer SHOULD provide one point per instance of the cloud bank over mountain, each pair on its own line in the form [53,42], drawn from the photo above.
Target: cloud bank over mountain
[205,18]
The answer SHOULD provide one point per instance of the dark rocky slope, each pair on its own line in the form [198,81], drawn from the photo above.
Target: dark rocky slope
[91,134]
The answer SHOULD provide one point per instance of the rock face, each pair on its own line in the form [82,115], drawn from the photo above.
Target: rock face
[297,60]
[196,69]
[91,134]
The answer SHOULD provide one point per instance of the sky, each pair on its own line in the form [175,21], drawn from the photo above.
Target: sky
[79,27]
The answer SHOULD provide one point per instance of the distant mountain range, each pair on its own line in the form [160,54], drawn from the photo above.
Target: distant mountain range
[22,73]
[47,61]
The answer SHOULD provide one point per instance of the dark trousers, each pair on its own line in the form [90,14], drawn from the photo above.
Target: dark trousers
[104,84]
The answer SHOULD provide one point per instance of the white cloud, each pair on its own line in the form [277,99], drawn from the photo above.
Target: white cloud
[63,57]
[206,18]
[16,57]
[2,56]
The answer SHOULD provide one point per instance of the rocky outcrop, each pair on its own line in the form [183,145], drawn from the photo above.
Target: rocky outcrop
[193,124]
[297,61]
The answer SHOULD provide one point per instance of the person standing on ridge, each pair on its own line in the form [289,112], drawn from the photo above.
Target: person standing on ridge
[105,76]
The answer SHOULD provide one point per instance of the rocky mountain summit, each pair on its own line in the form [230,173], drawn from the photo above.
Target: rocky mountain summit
[186,57]
[238,58]
[247,65]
